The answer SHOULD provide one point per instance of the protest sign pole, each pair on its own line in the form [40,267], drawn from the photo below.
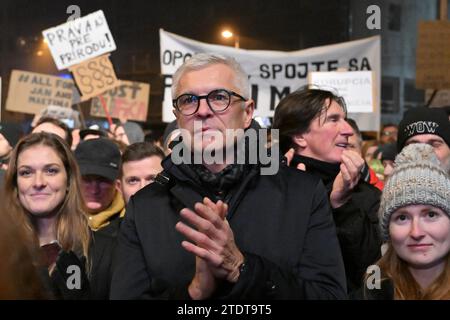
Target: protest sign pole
[103,102]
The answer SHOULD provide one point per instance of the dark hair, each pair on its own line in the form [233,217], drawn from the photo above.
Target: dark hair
[386,125]
[140,150]
[59,124]
[296,111]
[355,128]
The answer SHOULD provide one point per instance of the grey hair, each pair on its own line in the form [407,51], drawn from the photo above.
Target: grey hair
[202,60]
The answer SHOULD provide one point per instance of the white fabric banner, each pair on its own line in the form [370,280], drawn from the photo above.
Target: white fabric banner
[274,74]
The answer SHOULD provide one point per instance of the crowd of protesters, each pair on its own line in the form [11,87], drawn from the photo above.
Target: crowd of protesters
[91,213]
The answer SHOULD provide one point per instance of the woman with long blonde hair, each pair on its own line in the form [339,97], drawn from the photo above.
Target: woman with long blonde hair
[42,191]
[415,222]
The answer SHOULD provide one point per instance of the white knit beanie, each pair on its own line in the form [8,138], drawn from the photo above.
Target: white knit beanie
[418,178]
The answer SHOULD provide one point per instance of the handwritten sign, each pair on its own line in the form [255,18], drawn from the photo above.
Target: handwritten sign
[94,77]
[30,92]
[356,87]
[433,55]
[79,40]
[128,101]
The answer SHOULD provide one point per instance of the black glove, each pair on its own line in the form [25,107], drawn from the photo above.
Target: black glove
[69,278]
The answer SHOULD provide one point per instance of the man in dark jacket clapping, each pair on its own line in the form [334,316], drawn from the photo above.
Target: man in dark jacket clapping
[212,226]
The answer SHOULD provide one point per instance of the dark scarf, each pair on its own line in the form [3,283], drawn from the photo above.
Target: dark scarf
[326,171]
[221,182]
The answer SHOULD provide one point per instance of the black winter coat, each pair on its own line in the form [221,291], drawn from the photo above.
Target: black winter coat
[356,221]
[102,256]
[95,283]
[385,291]
[282,224]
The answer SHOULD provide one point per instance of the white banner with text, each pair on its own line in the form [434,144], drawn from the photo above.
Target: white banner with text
[274,74]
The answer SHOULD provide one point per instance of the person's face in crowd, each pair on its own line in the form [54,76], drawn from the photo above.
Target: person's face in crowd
[327,136]
[354,144]
[370,153]
[51,128]
[41,180]
[389,135]
[119,134]
[237,116]
[420,235]
[441,148]
[98,192]
[138,174]
[5,147]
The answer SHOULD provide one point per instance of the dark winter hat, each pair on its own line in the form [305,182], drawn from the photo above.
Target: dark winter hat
[418,178]
[388,151]
[423,120]
[100,157]
[11,131]
[95,130]
[134,132]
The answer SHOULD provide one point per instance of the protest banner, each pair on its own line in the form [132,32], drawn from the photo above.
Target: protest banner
[433,55]
[94,77]
[274,74]
[30,92]
[129,100]
[356,87]
[78,40]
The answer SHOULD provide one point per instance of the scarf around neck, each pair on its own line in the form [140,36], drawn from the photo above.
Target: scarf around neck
[326,171]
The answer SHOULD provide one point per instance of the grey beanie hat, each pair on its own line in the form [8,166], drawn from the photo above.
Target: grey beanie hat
[418,178]
[134,132]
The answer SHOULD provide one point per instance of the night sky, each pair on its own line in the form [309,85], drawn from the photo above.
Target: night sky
[270,25]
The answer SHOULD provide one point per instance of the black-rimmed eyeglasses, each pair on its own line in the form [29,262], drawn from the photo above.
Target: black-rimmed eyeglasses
[218,101]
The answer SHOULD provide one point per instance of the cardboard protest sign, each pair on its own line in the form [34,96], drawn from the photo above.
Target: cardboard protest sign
[30,92]
[94,77]
[433,55]
[356,87]
[441,99]
[79,40]
[128,101]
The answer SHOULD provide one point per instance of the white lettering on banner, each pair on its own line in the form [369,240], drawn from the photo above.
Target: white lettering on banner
[80,39]
[274,74]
